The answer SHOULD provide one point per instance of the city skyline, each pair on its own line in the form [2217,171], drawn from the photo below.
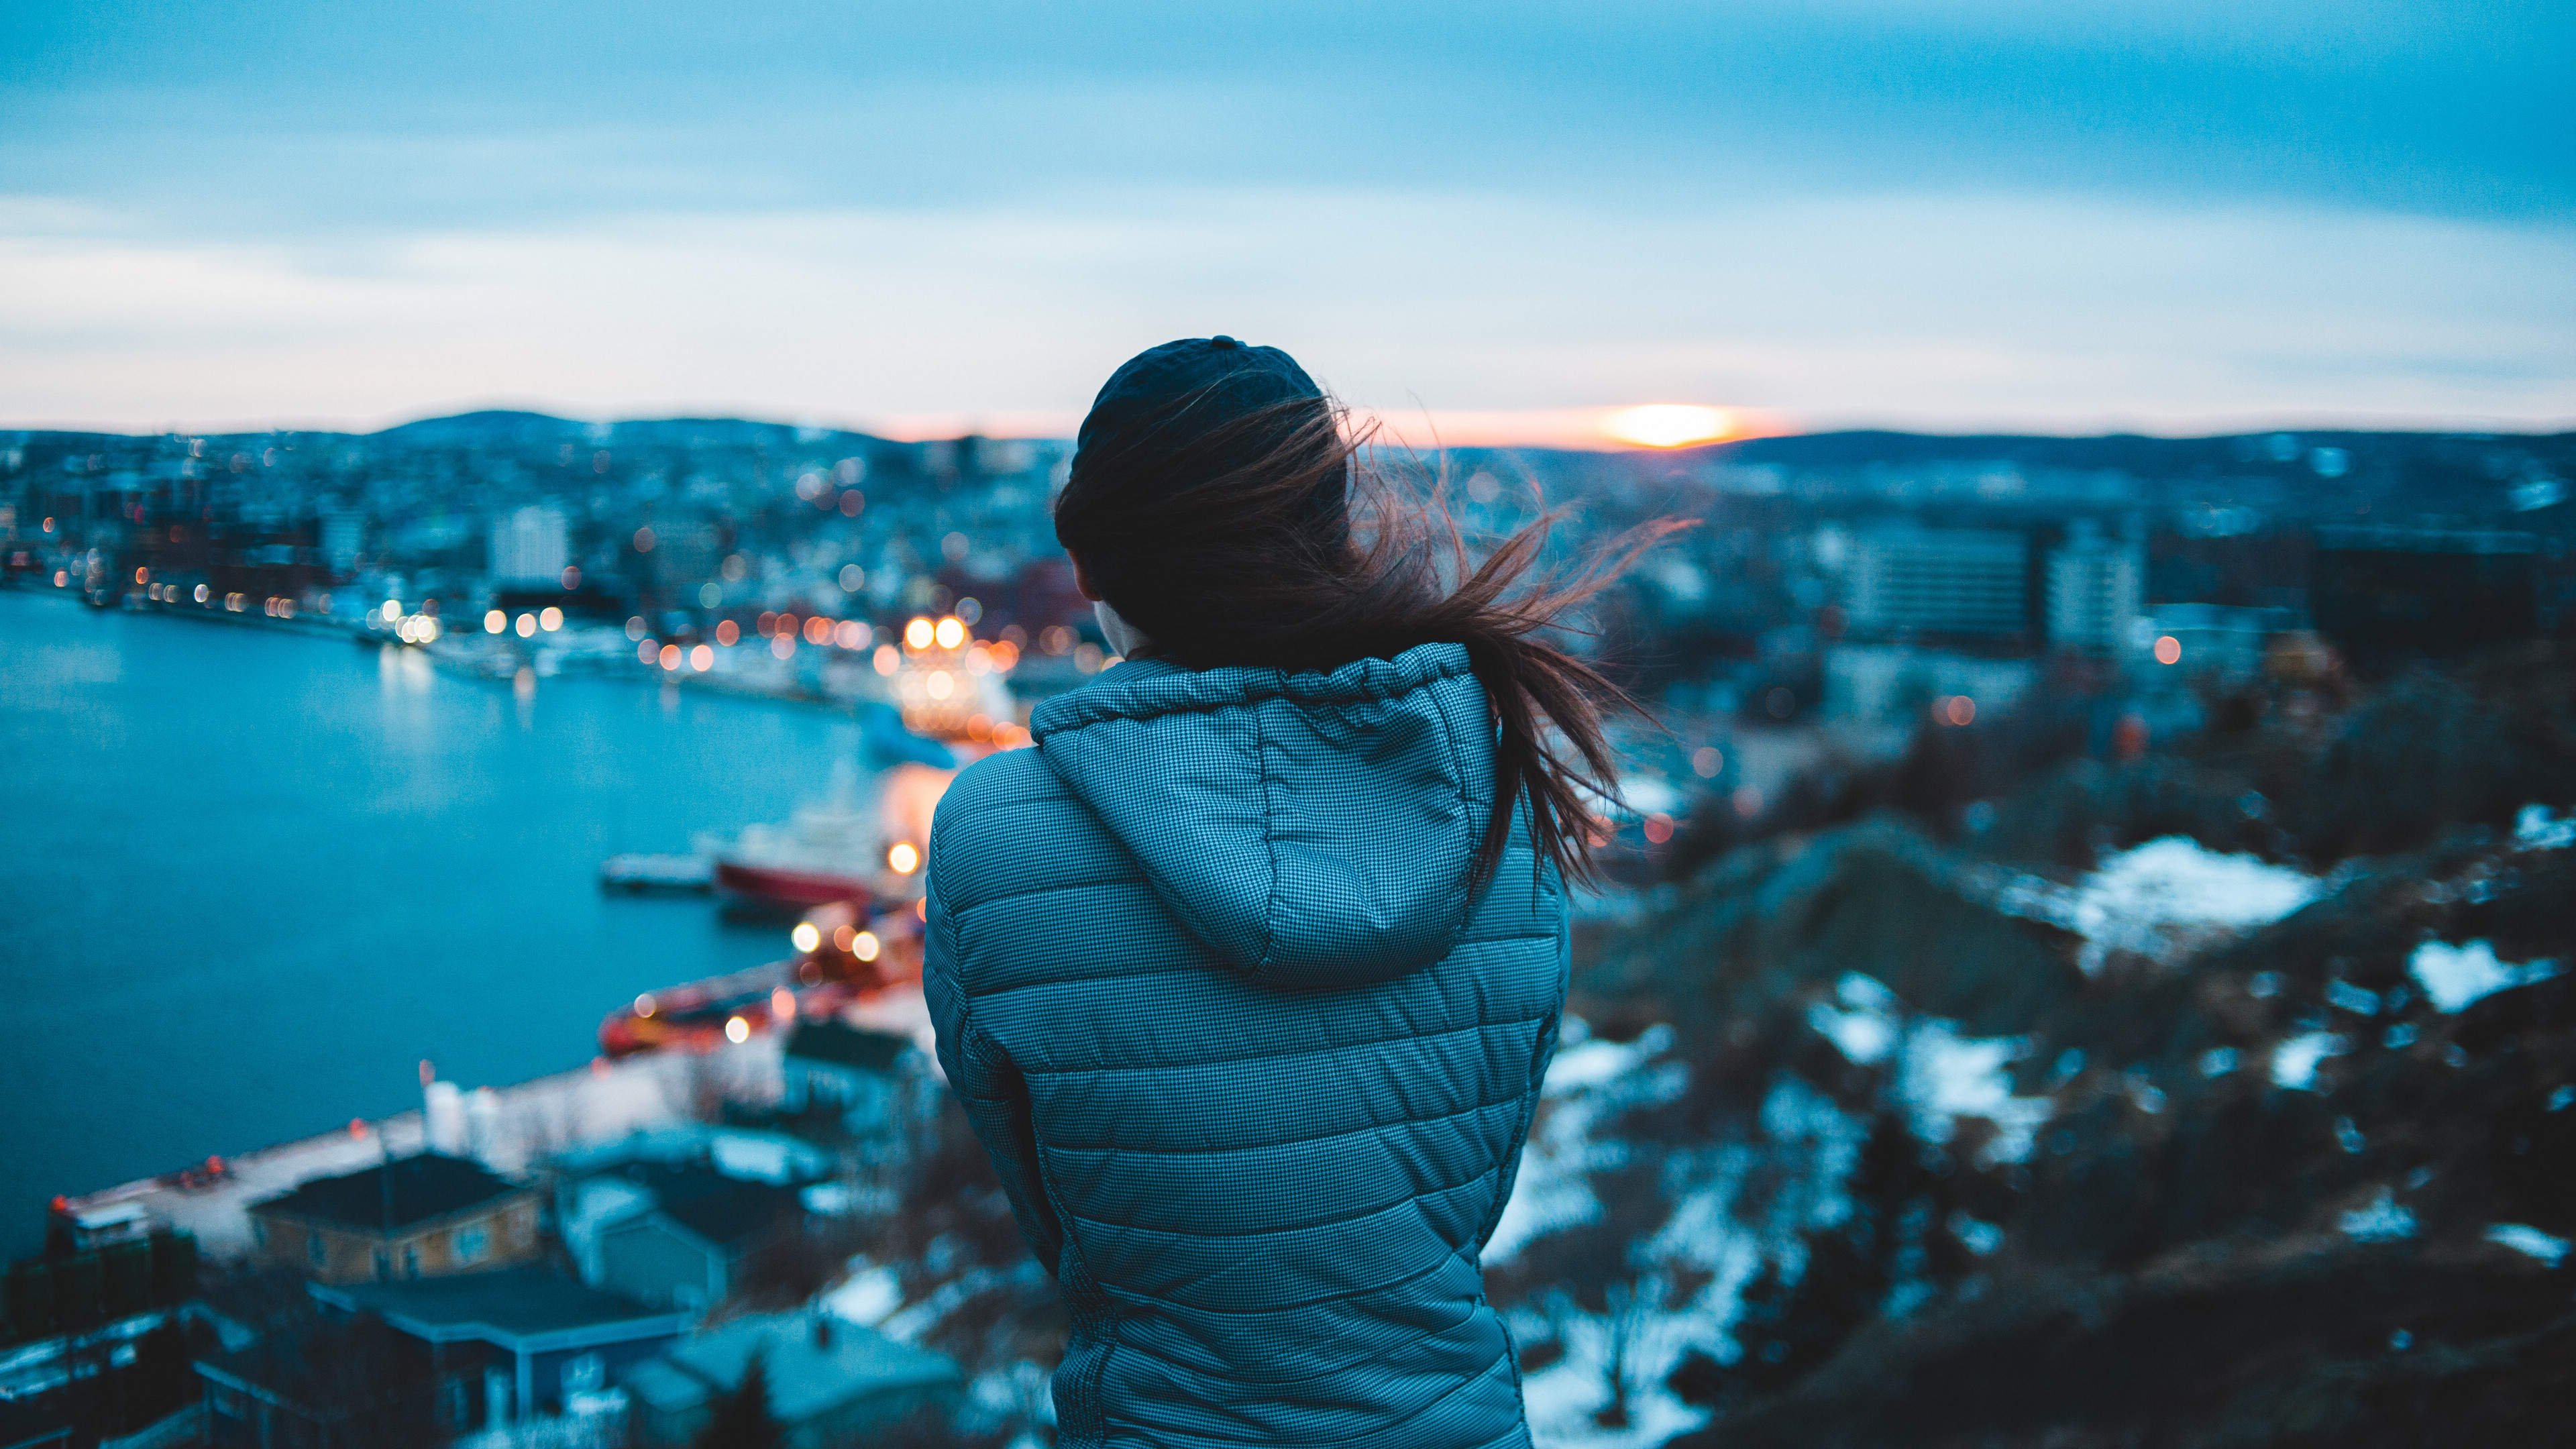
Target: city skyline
[1487,227]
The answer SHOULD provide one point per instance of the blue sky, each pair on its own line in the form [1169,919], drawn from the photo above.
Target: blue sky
[1985,213]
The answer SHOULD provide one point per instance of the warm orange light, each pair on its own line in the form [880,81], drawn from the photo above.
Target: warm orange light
[950,633]
[1668,425]
[917,634]
[1960,709]
[805,936]
[702,659]
[2168,650]
[865,946]
[670,656]
[904,857]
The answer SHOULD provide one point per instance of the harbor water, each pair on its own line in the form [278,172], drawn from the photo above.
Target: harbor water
[249,879]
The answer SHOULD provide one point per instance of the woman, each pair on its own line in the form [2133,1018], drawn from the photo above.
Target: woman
[1247,975]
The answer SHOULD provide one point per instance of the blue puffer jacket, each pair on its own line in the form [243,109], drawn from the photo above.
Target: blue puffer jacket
[1254,1068]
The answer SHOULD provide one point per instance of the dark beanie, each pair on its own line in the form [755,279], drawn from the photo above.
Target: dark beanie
[1175,399]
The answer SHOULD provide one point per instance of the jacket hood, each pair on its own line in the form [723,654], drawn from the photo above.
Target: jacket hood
[1314,830]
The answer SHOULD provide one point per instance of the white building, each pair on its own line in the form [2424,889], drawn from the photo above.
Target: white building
[1891,683]
[344,534]
[2096,589]
[531,545]
[1939,581]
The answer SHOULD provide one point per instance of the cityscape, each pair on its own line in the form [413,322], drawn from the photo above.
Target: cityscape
[786,725]
[2012,820]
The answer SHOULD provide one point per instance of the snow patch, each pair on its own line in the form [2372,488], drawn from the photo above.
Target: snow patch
[2524,1238]
[2294,1061]
[2454,976]
[1948,1076]
[2535,828]
[1592,1062]
[868,1297]
[2383,1220]
[2176,881]
[1586,1082]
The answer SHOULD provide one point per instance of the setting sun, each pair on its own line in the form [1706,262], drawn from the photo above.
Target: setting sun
[1669,425]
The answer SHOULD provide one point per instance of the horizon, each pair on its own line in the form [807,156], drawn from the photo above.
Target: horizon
[1593,441]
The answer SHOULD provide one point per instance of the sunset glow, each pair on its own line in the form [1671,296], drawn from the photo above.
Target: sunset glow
[1669,425]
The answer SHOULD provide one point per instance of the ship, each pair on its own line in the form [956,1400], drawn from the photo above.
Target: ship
[949,708]
[846,954]
[832,850]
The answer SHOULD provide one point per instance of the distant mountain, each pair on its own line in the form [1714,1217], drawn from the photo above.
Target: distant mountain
[2165,457]
[503,428]
[488,427]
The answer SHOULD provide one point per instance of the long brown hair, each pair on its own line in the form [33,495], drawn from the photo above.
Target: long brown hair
[1284,540]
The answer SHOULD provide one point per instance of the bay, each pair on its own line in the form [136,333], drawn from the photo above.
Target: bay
[249,879]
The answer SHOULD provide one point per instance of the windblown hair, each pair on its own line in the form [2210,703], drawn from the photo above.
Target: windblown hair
[1273,540]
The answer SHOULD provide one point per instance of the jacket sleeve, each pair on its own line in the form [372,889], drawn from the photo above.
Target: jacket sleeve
[985,1080]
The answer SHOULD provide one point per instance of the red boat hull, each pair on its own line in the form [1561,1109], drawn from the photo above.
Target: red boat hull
[772,886]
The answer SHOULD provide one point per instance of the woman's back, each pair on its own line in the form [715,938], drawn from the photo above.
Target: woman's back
[1255,1068]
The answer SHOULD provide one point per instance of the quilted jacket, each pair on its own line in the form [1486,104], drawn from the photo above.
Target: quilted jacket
[1254,1066]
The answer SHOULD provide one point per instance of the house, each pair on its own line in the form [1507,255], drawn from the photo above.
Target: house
[875,1081]
[687,1233]
[671,1216]
[413,1217]
[830,1383]
[508,1345]
[319,1385]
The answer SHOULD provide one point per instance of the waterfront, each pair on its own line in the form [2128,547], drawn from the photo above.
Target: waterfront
[251,878]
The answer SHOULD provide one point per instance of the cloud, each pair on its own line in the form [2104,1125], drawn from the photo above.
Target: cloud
[1943,310]
[1988,213]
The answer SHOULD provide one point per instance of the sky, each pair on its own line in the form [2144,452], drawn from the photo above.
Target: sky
[1485,222]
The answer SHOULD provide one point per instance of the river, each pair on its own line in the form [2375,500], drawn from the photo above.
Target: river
[249,879]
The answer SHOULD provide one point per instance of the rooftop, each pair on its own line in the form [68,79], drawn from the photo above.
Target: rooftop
[499,1307]
[734,1151]
[726,1211]
[2425,540]
[393,1195]
[805,1378]
[844,1045]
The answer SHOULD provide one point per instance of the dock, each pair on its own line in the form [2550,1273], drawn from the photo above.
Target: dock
[658,874]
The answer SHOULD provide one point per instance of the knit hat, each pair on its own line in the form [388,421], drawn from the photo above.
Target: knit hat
[1168,398]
